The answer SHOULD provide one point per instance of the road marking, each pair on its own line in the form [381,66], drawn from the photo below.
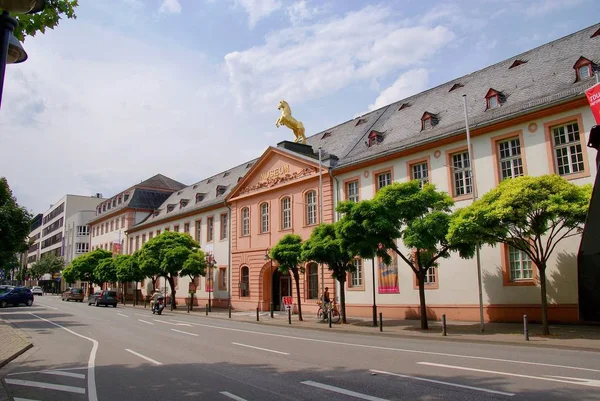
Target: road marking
[412,351]
[139,314]
[42,371]
[185,332]
[120,314]
[262,349]
[48,386]
[23,399]
[343,391]
[45,306]
[144,321]
[173,324]
[232,396]
[92,392]
[143,357]
[441,382]
[579,381]
[61,373]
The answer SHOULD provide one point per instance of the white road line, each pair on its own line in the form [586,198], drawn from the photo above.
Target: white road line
[262,349]
[143,357]
[579,381]
[412,351]
[144,321]
[120,314]
[48,386]
[185,332]
[92,392]
[139,314]
[45,306]
[23,399]
[173,324]
[343,391]
[41,371]
[232,396]
[441,382]
[61,373]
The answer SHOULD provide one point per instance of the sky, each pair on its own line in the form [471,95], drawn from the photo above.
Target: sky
[189,88]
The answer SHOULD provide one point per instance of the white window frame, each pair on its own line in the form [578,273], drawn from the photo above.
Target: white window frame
[312,285]
[82,247]
[493,102]
[356,277]
[462,181]
[420,171]
[569,147]
[223,223]
[510,160]
[245,221]
[520,266]
[83,230]
[311,207]
[387,179]
[352,191]
[286,213]
[431,277]
[588,71]
[264,217]
[198,231]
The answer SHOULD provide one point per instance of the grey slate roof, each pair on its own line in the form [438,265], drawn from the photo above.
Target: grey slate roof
[208,186]
[546,77]
[160,181]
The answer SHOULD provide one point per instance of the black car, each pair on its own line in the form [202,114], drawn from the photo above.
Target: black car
[104,297]
[10,295]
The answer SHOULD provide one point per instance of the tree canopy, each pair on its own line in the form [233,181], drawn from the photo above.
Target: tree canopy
[326,245]
[83,267]
[55,10]
[106,271]
[167,255]
[288,255]
[15,224]
[419,215]
[47,265]
[531,214]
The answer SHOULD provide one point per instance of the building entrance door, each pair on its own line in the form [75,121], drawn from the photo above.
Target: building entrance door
[282,287]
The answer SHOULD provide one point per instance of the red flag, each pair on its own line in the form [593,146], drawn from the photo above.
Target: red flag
[593,95]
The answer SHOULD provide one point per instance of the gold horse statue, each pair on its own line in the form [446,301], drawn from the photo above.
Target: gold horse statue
[286,119]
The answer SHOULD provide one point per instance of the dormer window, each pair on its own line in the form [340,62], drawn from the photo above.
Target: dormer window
[183,202]
[221,190]
[109,205]
[517,63]
[404,106]
[170,208]
[120,200]
[326,135]
[114,202]
[156,213]
[360,121]
[125,197]
[595,34]
[456,86]
[195,186]
[199,197]
[226,174]
[104,207]
[209,181]
[584,69]
[374,138]
[428,121]
[493,99]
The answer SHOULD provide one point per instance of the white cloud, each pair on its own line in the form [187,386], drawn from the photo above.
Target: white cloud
[258,9]
[306,62]
[543,7]
[170,7]
[301,11]
[407,84]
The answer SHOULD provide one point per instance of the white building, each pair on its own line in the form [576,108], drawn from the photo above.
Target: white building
[77,234]
[33,253]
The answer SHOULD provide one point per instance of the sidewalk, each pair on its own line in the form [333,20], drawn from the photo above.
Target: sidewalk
[576,337]
[13,342]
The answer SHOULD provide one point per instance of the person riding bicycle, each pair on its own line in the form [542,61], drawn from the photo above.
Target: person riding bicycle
[326,299]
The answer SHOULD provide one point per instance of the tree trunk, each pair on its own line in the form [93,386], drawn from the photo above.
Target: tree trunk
[423,306]
[545,328]
[297,279]
[343,300]
[172,284]
[135,300]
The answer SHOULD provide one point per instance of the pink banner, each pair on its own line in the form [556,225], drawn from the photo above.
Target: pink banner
[593,96]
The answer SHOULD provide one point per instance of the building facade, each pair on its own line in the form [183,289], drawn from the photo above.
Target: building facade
[77,234]
[33,253]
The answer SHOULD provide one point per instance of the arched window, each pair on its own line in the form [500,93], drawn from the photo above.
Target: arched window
[311,208]
[286,213]
[264,217]
[245,221]
[245,282]
[313,281]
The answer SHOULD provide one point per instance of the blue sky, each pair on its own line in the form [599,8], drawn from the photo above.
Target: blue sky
[189,88]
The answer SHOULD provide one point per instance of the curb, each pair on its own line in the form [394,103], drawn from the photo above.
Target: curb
[28,344]
[449,338]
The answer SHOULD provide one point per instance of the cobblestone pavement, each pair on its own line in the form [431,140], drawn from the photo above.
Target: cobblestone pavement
[13,342]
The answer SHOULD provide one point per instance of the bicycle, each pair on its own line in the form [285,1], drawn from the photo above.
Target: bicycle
[323,314]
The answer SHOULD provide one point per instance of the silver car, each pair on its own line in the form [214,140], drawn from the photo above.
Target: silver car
[37,290]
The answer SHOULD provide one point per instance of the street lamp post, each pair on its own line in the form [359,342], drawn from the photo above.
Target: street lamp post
[267,257]
[211,263]
[11,51]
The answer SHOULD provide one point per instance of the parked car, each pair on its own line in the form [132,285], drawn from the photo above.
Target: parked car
[73,294]
[37,290]
[10,295]
[105,297]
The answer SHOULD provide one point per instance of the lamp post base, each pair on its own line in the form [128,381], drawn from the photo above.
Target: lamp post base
[374,315]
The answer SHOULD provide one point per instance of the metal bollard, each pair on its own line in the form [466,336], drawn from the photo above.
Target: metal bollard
[272,306]
[206,309]
[444,328]
[525,328]
[329,318]
[257,319]
[380,321]
[229,310]
[188,307]
[290,316]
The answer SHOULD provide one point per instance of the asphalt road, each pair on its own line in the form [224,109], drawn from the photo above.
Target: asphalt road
[87,353]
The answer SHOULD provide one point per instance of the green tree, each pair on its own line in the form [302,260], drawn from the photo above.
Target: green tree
[288,255]
[69,275]
[85,265]
[49,264]
[325,245]
[166,255]
[531,214]
[55,10]
[128,270]
[420,217]
[15,222]
[105,271]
